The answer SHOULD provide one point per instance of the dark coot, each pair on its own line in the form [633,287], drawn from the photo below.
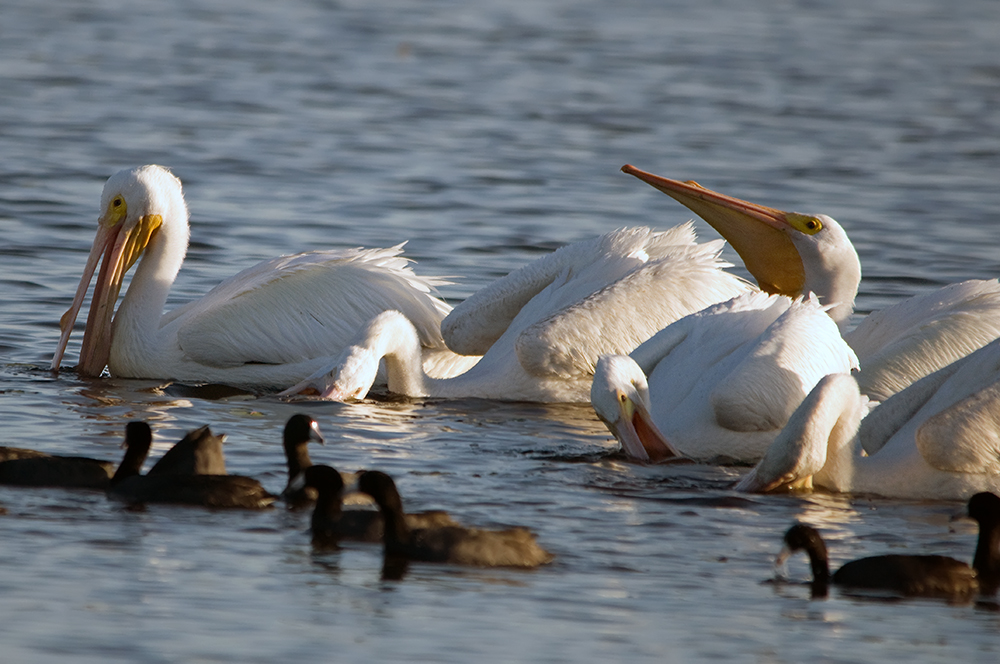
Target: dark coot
[222,491]
[514,547]
[330,522]
[23,467]
[299,430]
[11,453]
[197,453]
[910,575]
[219,491]
[984,507]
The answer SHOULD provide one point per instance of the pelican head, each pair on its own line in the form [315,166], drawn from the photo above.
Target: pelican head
[134,204]
[788,253]
[620,397]
[354,375]
[819,438]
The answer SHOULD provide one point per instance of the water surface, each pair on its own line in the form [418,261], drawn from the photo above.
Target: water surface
[485,135]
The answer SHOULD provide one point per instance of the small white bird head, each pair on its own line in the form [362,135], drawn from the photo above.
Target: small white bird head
[620,397]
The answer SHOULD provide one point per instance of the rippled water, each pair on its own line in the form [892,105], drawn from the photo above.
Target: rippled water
[485,134]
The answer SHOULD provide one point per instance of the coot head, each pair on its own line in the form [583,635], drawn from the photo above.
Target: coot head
[325,479]
[801,537]
[381,488]
[984,507]
[300,429]
[326,516]
[137,435]
[138,440]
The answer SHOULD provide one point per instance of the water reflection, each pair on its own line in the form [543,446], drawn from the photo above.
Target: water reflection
[832,513]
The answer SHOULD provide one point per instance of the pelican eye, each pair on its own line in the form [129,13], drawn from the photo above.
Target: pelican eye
[117,211]
[805,223]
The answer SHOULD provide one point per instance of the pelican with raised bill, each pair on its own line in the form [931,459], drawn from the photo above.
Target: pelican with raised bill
[268,326]
[541,328]
[937,439]
[794,254]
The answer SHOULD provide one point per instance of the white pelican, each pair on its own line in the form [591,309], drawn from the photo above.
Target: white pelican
[937,439]
[722,382]
[267,326]
[793,254]
[542,327]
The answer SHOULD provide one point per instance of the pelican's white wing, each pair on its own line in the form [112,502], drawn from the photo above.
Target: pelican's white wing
[902,343]
[900,408]
[616,319]
[587,266]
[295,308]
[705,338]
[729,377]
[966,437]
[780,368]
[963,433]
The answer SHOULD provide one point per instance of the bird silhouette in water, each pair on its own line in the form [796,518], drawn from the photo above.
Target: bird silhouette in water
[909,575]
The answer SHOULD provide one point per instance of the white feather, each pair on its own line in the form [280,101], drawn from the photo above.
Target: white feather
[723,381]
[267,326]
[544,326]
[946,449]
[813,254]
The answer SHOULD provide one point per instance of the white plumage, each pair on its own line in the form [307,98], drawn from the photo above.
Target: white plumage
[937,439]
[267,326]
[542,327]
[795,254]
[721,382]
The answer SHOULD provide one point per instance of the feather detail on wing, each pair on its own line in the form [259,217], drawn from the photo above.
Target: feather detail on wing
[904,342]
[475,324]
[294,308]
[621,316]
[795,352]
[963,432]
[966,437]
[746,316]
[900,408]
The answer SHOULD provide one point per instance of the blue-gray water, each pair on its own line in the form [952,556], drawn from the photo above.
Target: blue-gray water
[485,134]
